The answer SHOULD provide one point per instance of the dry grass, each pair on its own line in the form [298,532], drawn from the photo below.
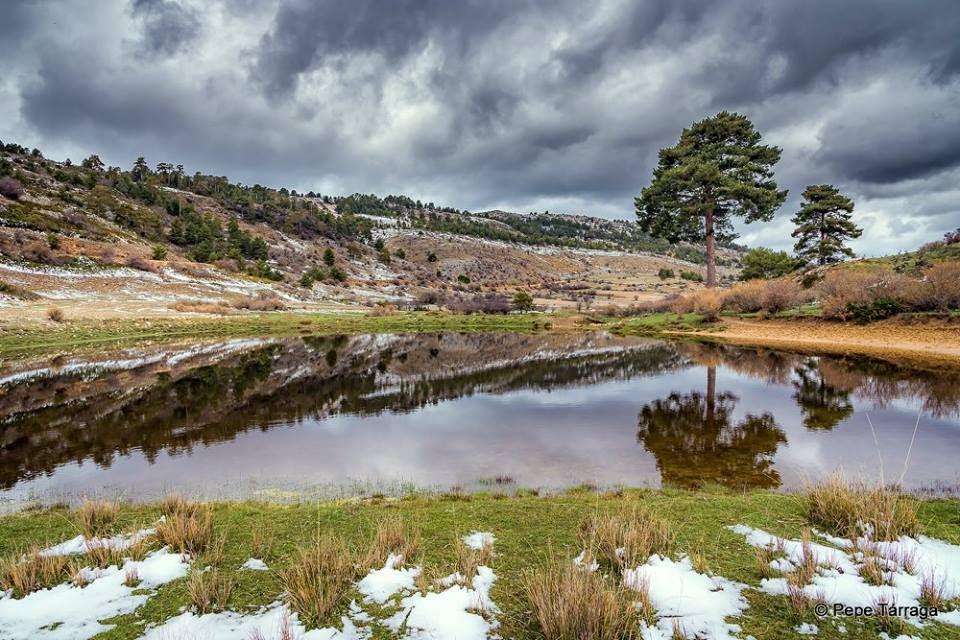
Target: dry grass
[97,517]
[393,537]
[763,556]
[932,592]
[198,306]
[131,577]
[142,264]
[55,314]
[263,302]
[23,575]
[138,550]
[570,604]
[638,533]
[319,579]
[187,531]
[261,544]
[853,509]
[103,555]
[873,571]
[213,555]
[209,590]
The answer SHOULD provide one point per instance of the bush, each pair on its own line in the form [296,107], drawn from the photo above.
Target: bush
[263,302]
[864,312]
[140,263]
[55,314]
[665,274]
[522,301]
[10,188]
[766,264]
[849,292]
[693,276]
[159,252]
[940,287]
[707,303]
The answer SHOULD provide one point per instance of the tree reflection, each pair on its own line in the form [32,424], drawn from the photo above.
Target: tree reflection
[694,442]
[823,405]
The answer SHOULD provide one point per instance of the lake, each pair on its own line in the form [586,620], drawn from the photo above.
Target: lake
[366,414]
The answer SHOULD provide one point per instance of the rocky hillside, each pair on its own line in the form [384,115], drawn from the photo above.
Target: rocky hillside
[148,239]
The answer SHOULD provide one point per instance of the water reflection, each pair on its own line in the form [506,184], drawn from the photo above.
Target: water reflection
[444,409]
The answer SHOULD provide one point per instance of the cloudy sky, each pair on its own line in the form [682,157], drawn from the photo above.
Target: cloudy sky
[513,104]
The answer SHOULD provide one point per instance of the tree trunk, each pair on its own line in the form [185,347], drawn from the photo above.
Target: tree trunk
[711,393]
[711,251]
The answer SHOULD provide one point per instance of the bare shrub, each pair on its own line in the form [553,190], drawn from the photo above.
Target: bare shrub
[852,509]
[707,303]
[55,314]
[39,252]
[264,301]
[97,517]
[140,263]
[382,310]
[570,604]
[842,290]
[10,188]
[940,287]
[198,306]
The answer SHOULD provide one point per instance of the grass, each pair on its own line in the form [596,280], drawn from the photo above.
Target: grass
[20,339]
[534,534]
[96,517]
[320,578]
[851,509]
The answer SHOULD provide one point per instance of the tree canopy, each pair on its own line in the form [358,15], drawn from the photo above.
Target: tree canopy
[766,264]
[823,226]
[717,171]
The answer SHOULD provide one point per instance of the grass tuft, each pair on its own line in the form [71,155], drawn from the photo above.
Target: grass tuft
[209,590]
[28,574]
[97,517]
[625,539]
[855,509]
[319,579]
[570,604]
[188,530]
[393,537]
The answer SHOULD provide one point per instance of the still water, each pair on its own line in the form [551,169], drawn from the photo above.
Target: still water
[386,413]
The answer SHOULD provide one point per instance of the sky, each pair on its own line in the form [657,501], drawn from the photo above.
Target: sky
[520,105]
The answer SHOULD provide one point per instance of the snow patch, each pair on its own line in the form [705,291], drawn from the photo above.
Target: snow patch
[479,539]
[452,613]
[381,584]
[255,564]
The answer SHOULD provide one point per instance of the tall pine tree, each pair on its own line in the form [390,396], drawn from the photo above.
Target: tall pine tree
[716,171]
[824,225]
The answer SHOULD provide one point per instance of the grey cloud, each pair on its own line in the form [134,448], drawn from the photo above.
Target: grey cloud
[167,26]
[498,103]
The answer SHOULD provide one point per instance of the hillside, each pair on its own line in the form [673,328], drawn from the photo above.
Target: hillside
[102,240]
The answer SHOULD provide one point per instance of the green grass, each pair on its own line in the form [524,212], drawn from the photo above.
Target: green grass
[77,334]
[530,530]
[653,324]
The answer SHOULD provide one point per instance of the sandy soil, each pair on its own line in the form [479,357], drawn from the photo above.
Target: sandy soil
[897,340]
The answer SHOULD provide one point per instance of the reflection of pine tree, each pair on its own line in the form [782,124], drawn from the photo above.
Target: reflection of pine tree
[694,442]
[823,406]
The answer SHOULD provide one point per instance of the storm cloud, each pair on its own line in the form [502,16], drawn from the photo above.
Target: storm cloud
[516,104]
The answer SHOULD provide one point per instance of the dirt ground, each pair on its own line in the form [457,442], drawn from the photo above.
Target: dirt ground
[898,339]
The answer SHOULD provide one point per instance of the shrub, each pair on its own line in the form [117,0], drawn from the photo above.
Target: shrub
[140,263]
[846,292]
[940,287]
[10,188]
[693,276]
[522,301]
[263,302]
[198,306]
[707,303]
[159,252]
[55,314]
[665,274]
[53,241]
[864,312]
[400,253]
[17,292]
[431,257]
[571,604]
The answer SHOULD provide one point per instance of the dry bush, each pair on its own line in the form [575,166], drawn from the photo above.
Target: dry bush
[662,305]
[10,188]
[638,533]
[14,291]
[707,303]
[319,579]
[745,297]
[940,287]
[209,590]
[197,306]
[96,517]
[383,310]
[188,531]
[771,296]
[141,263]
[393,537]
[33,572]
[39,252]
[264,301]
[55,314]
[571,604]
[847,509]
[844,288]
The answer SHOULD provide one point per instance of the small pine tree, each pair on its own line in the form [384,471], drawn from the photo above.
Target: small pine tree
[522,301]
[824,225]
[328,257]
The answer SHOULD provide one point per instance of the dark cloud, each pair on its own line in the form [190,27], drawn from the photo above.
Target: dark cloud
[167,26]
[509,103]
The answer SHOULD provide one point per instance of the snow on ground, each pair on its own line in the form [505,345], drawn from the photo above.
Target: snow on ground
[68,612]
[80,544]
[807,629]
[271,623]
[255,564]
[479,539]
[451,613]
[697,603]
[381,584]
[838,579]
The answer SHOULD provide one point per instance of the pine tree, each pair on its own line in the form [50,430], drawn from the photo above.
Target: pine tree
[823,225]
[716,171]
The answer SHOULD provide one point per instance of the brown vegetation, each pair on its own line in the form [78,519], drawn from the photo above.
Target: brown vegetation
[209,590]
[187,529]
[846,509]
[319,579]
[265,301]
[636,532]
[96,517]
